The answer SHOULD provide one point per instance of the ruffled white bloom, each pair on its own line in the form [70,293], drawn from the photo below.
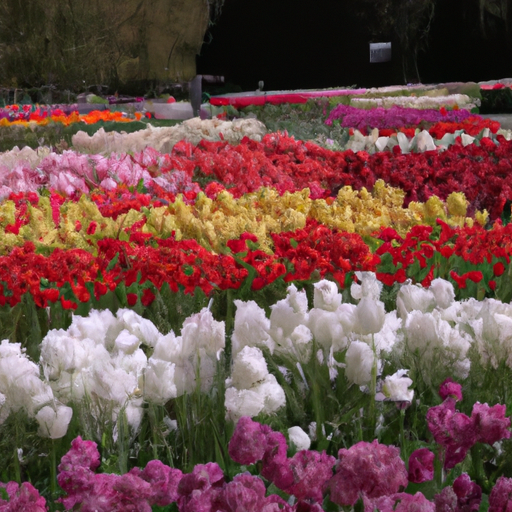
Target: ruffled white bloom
[491,322]
[370,286]
[396,387]
[389,335]
[159,384]
[326,296]
[359,360]
[443,291]
[242,402]
[164,138]
[331,328]
[100,326]
[412,297]
[145,330]
[54,420]
[252,390]
[287,314]
[201,330]
[299,439]
[251,328]
[21,386]
[437,345]
[249,368]
[370,316]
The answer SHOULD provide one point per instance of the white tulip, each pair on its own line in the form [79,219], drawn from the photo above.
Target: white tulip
[54,420]
[396,387]
[370,316]
[359,360]
[443,292]
[251,328]
[326,296]
[413,297]
[159,385]
[370,286]
[299,438]
[249,367]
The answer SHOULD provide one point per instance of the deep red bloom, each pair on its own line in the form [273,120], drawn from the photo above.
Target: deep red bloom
[68,304]
[91,229]
[132,298]
[498,269]
[147,297]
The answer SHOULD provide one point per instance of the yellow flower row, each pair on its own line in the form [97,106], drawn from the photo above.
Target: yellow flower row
[212,222]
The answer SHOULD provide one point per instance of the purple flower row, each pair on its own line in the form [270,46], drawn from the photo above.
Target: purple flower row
[371,472]
[394,117]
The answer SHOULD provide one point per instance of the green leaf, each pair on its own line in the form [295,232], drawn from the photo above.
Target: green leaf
[113,262]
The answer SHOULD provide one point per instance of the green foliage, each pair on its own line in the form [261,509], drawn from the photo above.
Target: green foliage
[302,121]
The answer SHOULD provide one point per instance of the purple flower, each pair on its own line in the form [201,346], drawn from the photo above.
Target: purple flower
[453,430]
[450,388]
[245,492]
[446,500]
[464,496]
[274,459]
[164,482]
[370,469]
[400,502]
[500,499]
[247,445]
[201,490]
[310,472]
[469,494]
[84,454]
[394,117]
[102,492]
[490,423]
[25,497]
[421,466]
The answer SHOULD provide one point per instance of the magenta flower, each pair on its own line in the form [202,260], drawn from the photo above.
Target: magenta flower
[446,500]
[309,472]
[247,445]
[490,423]
[469,494]
[274,459]
[101,492]
[82,454]
[22,497]
[453,430]
[164,482]
[247,493]
[464,496]
[367,469]
[500,499]
[450,388]
[421,466]
[201,490]
[400,502]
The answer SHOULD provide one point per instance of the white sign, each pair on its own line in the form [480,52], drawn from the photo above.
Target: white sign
[380,52]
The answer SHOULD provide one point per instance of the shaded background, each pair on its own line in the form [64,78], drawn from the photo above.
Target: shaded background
[289,45]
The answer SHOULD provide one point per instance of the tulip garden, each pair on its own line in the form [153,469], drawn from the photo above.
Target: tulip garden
[298,307]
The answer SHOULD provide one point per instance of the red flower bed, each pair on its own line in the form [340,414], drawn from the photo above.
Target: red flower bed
[481,172]
[185,265]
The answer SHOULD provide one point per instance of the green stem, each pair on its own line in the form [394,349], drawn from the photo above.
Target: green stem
[405,454]
[373,390]
[17,468]
[53,471]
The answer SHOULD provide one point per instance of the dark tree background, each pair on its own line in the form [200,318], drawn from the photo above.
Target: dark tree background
[325,43]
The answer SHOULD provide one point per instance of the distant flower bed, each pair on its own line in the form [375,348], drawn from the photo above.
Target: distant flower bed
[15,115]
